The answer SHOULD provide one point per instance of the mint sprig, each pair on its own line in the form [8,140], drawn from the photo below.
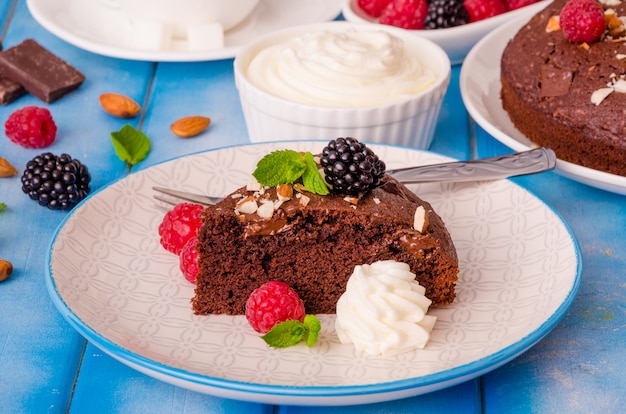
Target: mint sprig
[131,145]
[287,166]
[291,332]
[2,206]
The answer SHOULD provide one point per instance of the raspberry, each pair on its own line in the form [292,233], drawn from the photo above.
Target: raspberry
[56,181]
[582,21]
[483,9]
[271,304]
[408,14]
[518,4]
[189,260]
[31,127]
[373,7]
[445,13]
[179,225]
[351,167]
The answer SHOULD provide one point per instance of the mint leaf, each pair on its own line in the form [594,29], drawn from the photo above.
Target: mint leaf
[131,145]
[2,206]
[288,333]
[312,179]
[286,166]
[279,167]
[313,329]
[285,334]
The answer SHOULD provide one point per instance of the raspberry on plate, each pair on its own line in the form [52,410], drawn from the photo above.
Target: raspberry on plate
[582,21]
[189,260]
[31,127]
[273,303]
[179,225]
[408,14]
[484,9]
[373,8]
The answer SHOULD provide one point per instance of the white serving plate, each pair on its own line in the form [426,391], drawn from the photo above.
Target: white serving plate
[456,41]
[480,90]
[106,31]
[114,283]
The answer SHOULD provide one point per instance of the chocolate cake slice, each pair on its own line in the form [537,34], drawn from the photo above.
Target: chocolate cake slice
[313,242]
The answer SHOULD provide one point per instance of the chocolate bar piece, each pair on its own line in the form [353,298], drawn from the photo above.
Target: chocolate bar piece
[39,71]
[9,90]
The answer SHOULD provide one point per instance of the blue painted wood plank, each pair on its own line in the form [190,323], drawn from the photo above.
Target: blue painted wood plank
[39,352]
[452,133]
[197,88]
[108,386]
[460,399]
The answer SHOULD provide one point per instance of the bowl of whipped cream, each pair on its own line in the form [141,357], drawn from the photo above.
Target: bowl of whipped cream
[327,80]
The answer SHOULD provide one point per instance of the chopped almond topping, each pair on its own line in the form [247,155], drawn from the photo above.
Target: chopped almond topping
[247,206]
[284,192]
[304,200]
[420,220]
[553,24]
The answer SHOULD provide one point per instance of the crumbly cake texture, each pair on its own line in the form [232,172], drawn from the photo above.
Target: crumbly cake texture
[547,85]
[313,246]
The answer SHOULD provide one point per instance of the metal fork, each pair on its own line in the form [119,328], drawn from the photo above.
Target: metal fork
[493,168]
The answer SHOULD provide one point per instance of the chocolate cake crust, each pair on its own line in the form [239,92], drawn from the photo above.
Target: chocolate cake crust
[314,248]
[547,84]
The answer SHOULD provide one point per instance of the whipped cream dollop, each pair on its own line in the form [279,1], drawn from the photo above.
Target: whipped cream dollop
[340,68]
[383,310]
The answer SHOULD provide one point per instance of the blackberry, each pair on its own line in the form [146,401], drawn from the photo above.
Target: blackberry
[351,167]
[445,13]
[56,181]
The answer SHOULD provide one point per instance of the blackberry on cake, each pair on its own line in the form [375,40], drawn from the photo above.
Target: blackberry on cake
[350,167]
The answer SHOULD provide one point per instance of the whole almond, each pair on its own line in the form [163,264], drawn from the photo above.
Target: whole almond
[6,268]
[190,126]
[6,169]
[119,105]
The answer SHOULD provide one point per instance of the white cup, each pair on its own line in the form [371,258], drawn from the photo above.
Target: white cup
[180,14]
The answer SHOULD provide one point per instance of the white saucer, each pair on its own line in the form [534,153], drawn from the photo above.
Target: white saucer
[105,31]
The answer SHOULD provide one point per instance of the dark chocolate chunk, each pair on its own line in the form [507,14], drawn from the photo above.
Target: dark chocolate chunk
[39,71]
[9,90]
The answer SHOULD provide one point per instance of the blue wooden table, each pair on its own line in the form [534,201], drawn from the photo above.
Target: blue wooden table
[45,366]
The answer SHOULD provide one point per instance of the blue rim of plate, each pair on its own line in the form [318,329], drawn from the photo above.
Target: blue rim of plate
[256,392]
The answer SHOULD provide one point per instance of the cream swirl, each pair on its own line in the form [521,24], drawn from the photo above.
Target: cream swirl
[383,310]
[340,68]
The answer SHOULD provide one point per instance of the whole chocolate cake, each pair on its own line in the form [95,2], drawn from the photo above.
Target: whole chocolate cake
[569,95]
[313,242]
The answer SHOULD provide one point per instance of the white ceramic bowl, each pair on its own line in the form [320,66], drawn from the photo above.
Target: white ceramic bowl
[407,122]
[456,41]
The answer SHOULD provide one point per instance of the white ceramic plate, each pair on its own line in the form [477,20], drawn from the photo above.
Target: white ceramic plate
[100,29]
[480,90]
[119,288]
[456,41]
